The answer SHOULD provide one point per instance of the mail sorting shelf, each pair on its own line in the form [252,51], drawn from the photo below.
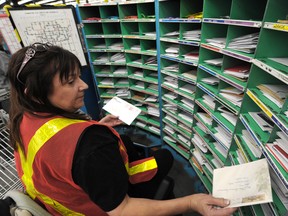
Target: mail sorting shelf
[8,175]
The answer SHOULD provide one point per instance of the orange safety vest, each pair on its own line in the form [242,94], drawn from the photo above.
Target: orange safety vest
[45,169]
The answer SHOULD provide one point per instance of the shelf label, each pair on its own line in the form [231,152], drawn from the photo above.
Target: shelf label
[208,70]
[280,125]
[259,103]
[279,75]
[231,83]
[281,27]
[205,90]
[238,56]
[211,48]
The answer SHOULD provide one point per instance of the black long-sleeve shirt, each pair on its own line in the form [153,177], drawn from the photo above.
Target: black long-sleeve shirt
[98,167]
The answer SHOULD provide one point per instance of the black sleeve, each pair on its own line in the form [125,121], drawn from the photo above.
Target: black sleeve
[98,167]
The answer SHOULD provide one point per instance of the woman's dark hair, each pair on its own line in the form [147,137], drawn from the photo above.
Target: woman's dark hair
[30,90]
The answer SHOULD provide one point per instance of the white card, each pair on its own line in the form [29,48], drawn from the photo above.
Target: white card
[125,111]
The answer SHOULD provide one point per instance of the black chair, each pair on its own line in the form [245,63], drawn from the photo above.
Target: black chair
[165,190]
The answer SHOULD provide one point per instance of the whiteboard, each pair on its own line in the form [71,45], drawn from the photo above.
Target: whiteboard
[56,25]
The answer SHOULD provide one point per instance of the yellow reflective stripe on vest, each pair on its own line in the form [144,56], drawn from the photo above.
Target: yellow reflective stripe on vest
[42,135]
[142,167]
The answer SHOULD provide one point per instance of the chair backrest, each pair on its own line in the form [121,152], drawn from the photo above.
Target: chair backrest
[22,203]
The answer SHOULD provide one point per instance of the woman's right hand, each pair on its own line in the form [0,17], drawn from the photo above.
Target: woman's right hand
[208,205]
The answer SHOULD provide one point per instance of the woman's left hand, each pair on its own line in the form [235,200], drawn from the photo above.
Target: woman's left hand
[110,120]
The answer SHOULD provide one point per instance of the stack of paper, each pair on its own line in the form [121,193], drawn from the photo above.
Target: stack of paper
[152,49]
[223,136]
[246,43]
[233,95]
[102,59]
[123,92]
[173,34]
[140,84]
[188,88]
[217,42]
[152,61]
[170,107]
[205,118]
[199,143]
[152,74]
[116,46]
[153,87]
[172,51]
[192,74]
[100,46]
[138,73]
[136,47]
[278,187]
[186,116]
[137,61]
[262,120]
[239,72]
[105,70]
[192,56]
[169,129]
[198,156]
[154,129]
[171,81]
[172,68]
[151,98]
[188,103]
[107,81]
[118,57]
[153,111]
[184,140]
[279,149]
[198,160]
[251,143]
[122,81]
[170,119]
[240,157]
[209,101]
[171,95]
[220,149]
[283,60]
[202,127]
[169,139]
[151,34]
[216,163]
[275,93]
[192,35]
[211,80]
[111,91]
[140,124]
[279,154]
[120,71]
[215,62]
[228,115]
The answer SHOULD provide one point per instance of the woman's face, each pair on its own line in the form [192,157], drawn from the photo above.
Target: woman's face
[68,96]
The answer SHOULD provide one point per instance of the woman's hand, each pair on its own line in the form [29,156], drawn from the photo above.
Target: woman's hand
[110,120]
[207,205]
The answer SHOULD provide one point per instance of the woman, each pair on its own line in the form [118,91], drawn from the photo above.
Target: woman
[71,164]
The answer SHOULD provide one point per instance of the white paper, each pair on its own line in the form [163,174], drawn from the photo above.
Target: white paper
[245,184]
[125,111]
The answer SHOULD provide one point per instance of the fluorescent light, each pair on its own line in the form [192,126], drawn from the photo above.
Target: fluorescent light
[57,2]
[2,1]
[24,2]
[44,1]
